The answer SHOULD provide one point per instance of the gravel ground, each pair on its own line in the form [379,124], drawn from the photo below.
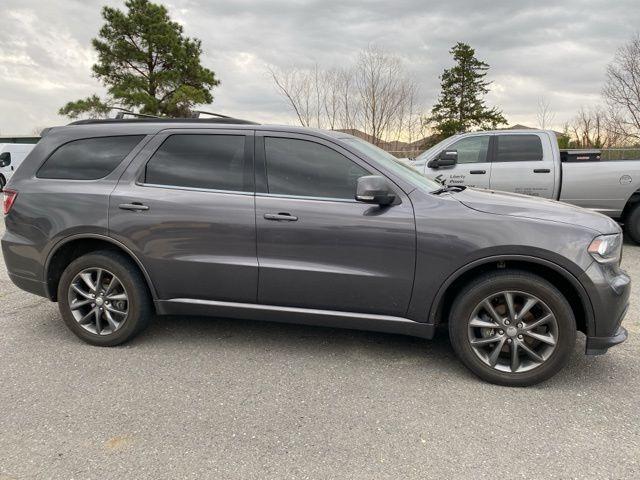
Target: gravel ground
[229,399]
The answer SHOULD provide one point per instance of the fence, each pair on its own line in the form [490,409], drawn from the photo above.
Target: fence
[628,153]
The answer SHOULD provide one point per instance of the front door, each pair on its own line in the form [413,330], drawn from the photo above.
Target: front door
[185,207]
[318,248]
[473,168]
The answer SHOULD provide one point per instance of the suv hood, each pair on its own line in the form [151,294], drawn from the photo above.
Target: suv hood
[525,206]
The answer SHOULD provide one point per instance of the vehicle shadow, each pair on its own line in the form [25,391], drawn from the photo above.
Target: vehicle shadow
[302,342]
[290,337]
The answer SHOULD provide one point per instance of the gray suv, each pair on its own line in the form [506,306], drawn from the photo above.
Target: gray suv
[120,220]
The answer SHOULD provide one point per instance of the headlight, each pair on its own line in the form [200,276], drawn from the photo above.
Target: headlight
[606,248]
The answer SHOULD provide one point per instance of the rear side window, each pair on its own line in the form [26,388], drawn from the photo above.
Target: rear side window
[518,148]
[89,158]
[215,162]
[308,169]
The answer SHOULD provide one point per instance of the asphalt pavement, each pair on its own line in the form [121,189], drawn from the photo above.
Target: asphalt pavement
[232,399]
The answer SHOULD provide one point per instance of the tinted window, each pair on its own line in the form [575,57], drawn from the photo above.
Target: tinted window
[518,148]
[200,161]
[299,167]
[471,149]
[89,158]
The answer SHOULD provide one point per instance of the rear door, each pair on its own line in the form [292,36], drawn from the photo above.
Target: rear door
[185,207]
[319,248]
[473,168]
[523,163]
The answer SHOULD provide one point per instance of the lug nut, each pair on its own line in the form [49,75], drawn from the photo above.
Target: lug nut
[506,322]
[520,325]
[501,332]
[520,337]
[508,340]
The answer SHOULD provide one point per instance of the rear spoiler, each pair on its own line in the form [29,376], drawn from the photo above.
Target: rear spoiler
[46,131]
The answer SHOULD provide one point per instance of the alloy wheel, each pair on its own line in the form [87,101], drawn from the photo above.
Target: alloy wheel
[98,301]
[513,331]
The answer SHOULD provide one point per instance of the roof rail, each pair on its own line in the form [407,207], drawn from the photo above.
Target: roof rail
[123,111]
[197,113]
[223,120]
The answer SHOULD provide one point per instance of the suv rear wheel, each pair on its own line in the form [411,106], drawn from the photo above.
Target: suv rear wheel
[512,328]
[103,298]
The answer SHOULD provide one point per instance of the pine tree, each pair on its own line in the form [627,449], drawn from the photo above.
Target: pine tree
[460,106]
[146,63]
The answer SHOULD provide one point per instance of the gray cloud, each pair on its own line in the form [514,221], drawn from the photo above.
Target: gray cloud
[535,48]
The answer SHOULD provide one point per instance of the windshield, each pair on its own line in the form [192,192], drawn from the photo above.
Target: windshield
[392,163]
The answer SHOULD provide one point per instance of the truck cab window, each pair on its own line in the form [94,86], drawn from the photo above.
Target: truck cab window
[471,149]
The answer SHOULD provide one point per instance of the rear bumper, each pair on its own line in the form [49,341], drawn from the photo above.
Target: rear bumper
[29,285]
[600,345]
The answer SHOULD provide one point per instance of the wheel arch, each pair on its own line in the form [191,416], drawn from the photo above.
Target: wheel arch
[70,248]
[568,284]
[632,201]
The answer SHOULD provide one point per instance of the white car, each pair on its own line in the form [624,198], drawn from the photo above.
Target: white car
[11,156]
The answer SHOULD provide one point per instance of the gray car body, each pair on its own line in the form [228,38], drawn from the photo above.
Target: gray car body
[343,263]
[606,187]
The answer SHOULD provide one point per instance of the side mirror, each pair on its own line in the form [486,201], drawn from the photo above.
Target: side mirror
[5,159]
[447,158]
[374,189]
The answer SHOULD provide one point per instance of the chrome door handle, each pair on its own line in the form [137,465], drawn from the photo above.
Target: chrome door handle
[280,217]
[135,206]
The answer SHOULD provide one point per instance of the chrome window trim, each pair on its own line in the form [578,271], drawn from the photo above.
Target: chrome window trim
[302,197]
[195,189]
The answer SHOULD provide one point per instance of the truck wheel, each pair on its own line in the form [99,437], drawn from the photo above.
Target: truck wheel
[632,224]
[512,328]
[103,298]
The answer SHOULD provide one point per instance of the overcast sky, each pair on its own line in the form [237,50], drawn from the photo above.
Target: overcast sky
[550,49]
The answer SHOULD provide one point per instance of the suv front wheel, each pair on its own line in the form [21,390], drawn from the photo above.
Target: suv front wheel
[512,328]
[103,298]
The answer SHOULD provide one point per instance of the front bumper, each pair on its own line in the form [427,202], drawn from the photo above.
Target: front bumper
[600,345]
[609,291]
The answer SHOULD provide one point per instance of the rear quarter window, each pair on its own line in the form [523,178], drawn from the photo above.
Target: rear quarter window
[88,158]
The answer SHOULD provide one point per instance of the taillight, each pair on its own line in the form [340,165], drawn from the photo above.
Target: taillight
[9,196]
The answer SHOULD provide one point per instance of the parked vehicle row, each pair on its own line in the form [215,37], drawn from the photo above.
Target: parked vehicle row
[120,220]
[530,162]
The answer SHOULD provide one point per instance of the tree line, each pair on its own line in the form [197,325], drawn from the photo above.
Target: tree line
[150,67]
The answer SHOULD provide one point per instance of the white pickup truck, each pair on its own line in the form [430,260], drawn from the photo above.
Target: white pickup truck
[530,162]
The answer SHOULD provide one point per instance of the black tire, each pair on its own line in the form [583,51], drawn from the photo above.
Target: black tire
[471,298]
[3,182]
[139,306]
[632,223]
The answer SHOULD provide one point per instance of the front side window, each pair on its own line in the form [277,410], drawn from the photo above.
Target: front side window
[214,162]
[518,148]
[308,169]
[471,149]
[89,158]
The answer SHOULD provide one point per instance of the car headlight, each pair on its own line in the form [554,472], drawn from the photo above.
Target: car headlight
[606,248]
